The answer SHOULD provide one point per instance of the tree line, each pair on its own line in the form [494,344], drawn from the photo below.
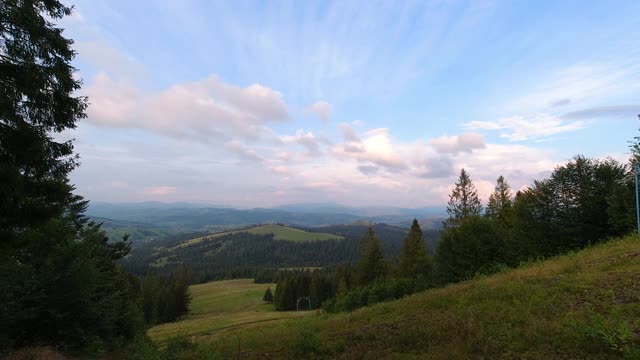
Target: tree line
[583,202]
[61,284]
[370,279]
[247,255]
[165,298]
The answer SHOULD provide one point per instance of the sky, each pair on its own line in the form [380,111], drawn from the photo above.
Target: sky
[361,103]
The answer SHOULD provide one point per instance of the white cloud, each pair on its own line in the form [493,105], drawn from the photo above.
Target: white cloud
[348,133]
[160,190]
[437,167]
[201,110]
[322,109]
[368,169]
[578,85]
[605,112]
[280,170]
[520,128]
[375,147]
[461,143]
[110,60]
[243,151]
[307,140]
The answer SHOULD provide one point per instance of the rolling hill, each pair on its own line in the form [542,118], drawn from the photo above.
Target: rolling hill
[280,232]
[581,305]
[242,252]
[151,220]
[220,306]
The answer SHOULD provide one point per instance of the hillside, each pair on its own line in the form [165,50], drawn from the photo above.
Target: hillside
[581,305]
[280,232]
[149,221]
[220,306]
[241,252]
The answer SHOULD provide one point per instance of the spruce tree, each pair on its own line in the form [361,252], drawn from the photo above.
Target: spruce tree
[36,100]
[634,147]
[463,201]
[371,264]
[268,296]
[60,285]
[414,252]
[500,200]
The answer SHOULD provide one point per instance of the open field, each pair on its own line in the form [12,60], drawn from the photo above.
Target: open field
[222,305]
[581,305]
[280,232]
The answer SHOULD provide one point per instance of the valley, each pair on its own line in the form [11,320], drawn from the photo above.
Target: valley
[581,305]
[221,306]
[280,232]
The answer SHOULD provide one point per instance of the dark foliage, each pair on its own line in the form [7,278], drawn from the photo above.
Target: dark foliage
[36,87]
[60,286]
[268,296]
[318,286]
[165,298]
[246,255]
[384,290]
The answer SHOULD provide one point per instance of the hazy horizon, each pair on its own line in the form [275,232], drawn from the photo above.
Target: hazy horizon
[266,104]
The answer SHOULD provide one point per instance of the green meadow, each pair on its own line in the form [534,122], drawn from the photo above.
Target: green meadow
[581,305]
[280,232]
[221,306]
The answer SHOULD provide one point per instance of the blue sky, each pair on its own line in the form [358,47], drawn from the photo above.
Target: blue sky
[361,103]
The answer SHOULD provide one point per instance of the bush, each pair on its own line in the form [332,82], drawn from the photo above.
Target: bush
[308,341]
[368,295]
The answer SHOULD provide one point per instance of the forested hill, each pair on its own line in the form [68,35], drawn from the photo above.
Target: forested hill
[244,252]
[153,221]
[578,306]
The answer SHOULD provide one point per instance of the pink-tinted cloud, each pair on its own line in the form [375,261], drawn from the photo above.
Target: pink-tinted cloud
[160,190]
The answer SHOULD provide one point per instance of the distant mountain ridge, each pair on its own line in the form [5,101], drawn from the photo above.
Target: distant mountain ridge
[177,217]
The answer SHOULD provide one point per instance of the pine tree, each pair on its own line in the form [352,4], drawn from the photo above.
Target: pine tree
[463,201]
[414,252]
[634,147]
[500,201]
[36,100]
[371,265]
[268,296]
[60,285]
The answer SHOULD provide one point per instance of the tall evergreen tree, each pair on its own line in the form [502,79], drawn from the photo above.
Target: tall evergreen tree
[634,147]
[36,87]
[59,283]
[472,246]
[414,253]
[371,264]
[268,296]
[463,201]
[500,200]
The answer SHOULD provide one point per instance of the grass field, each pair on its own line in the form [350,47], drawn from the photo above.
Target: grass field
[219,306]
[582,305]
[280,232]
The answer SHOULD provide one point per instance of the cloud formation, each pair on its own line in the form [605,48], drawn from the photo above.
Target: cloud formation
[368,169]
[613,111]
[348,133]
[322,109]
[159,190]
[520,128]
[203,109]
[466,142]
[437,168]
[243,151]
[306,140]
[375,147]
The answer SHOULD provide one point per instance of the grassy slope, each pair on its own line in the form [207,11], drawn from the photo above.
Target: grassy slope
[280,232]
[582,305]
[221,305]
